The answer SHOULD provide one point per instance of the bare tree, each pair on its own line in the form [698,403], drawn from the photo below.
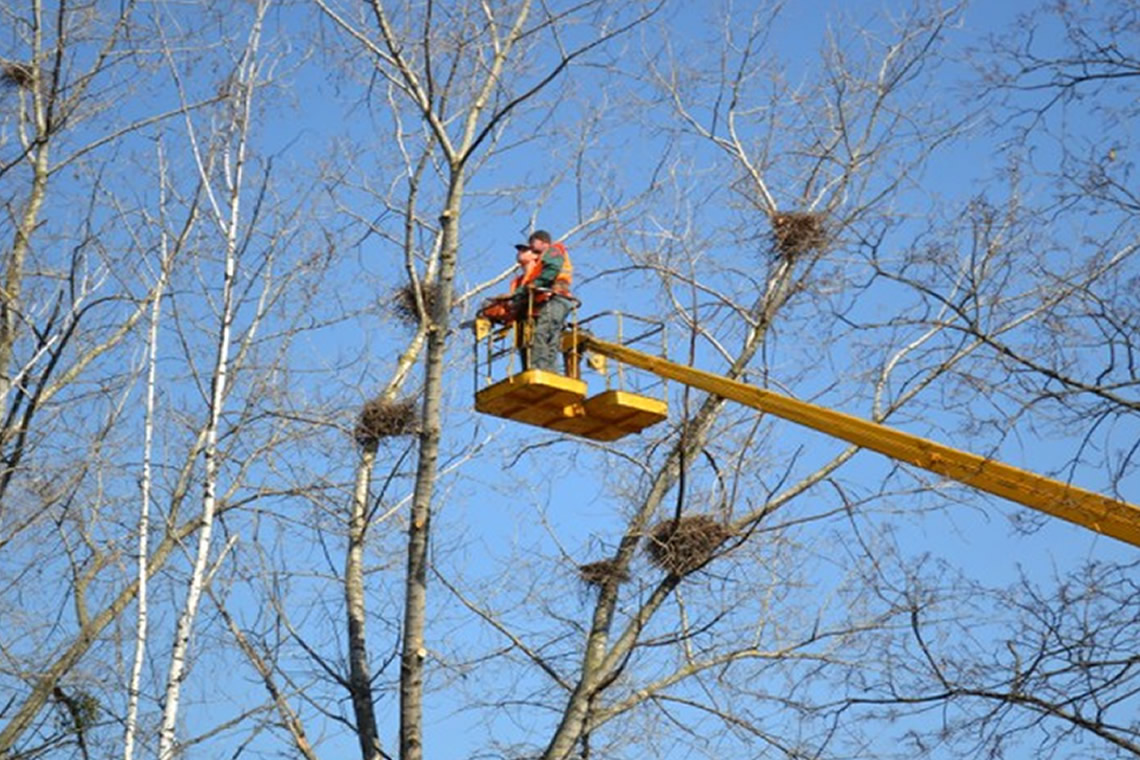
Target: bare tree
[663,646]
[721,585]
[145,483]
[62,317]
[1040,273]
[822,170]
[462,83]
[225,203]
[99,237]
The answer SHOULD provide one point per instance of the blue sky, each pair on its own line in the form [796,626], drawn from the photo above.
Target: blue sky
[498,506]
[518,508]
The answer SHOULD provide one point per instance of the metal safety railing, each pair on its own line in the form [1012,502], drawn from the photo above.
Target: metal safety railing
[647,334]
[503,344]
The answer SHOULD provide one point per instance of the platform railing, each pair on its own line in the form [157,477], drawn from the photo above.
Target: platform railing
[501,350]
[647,335]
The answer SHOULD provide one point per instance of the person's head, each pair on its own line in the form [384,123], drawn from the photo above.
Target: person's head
[526,257]
[539,240]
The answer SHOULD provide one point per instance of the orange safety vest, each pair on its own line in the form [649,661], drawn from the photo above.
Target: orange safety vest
[565,276]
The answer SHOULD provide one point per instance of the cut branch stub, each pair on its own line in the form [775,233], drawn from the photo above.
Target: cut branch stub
[798,232]
[16,74]
[681,546]
[386,418]
[403,302]
[597,573]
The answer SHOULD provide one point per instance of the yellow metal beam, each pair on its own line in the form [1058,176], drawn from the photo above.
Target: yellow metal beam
[1107,516]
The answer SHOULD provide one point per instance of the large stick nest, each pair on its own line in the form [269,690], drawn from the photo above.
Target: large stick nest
[681,546]
[403,302]
[799,232]
[16,74]
[597,573]
[386,418]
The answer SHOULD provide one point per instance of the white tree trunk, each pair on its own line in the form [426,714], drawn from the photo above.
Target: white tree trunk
[247,73]
[178,655]
[360,673]
[131,728]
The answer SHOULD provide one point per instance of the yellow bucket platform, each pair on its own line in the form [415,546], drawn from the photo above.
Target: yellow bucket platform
[556,402]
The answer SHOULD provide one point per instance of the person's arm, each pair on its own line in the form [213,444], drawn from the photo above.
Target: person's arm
[551,265]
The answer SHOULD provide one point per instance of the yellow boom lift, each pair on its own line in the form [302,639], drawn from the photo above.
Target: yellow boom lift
[559,402]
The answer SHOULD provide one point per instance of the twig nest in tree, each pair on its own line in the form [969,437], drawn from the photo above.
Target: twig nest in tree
[386,418]
[83,707]
[597,573]
[403,302]
[16,74]
[798,232]
[681,546]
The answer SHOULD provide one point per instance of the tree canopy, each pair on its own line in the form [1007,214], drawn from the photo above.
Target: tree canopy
[246,507]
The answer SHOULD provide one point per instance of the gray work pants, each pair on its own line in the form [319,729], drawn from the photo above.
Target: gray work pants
[545,349]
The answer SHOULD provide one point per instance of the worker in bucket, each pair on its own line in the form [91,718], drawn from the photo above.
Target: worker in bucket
[546,287]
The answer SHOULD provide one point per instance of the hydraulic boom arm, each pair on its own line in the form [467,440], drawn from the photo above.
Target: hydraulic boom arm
[1110,517]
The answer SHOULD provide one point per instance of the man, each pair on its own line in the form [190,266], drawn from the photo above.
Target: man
[505,310]
[547,285]
[529,266]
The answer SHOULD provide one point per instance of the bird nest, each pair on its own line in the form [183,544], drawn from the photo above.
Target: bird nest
[16,74]
[386,418]
[681,546]
[798,232]
[597,573]
[403,302]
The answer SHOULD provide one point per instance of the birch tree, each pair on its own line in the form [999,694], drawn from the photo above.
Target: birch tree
[63,317]
[225,203]
[99,238]
[145,483]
